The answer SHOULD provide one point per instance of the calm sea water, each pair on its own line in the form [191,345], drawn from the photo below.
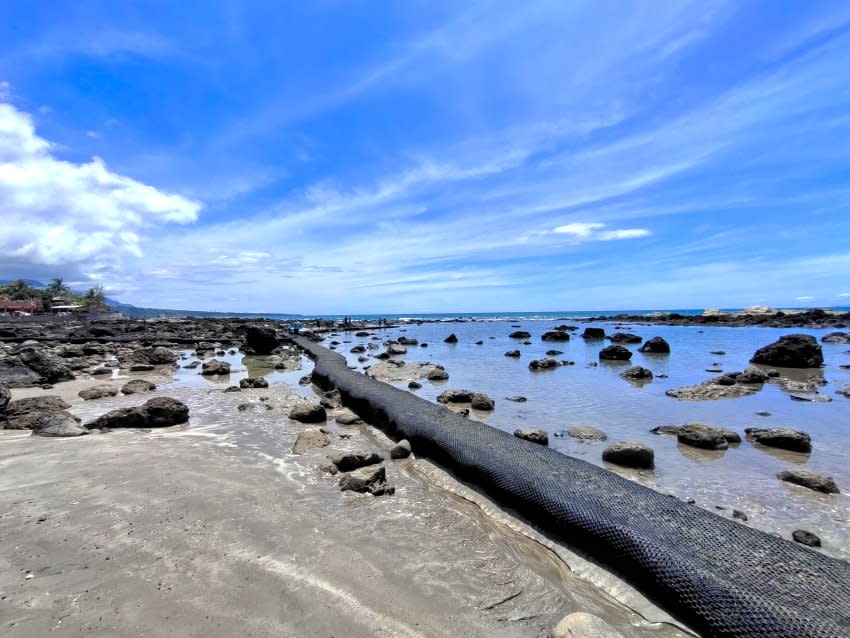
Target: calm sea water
[742,477]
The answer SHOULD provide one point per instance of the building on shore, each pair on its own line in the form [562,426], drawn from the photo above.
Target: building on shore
[20,307]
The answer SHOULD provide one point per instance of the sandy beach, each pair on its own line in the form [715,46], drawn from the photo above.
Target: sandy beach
[214,528]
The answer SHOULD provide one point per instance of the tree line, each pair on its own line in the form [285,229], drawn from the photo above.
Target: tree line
[92,299]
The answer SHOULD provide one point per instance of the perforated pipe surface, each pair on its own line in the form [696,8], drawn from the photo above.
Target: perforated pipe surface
[718,576]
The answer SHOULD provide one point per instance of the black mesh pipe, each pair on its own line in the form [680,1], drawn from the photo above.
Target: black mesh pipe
[717,576]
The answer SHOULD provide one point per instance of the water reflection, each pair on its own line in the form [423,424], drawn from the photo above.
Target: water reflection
[698,454]
[783,455]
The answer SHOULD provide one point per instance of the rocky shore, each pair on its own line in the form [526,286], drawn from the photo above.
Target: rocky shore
[767,318]
[242,506]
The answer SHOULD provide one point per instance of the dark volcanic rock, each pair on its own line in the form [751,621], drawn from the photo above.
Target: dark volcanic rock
[97,392]
[656,345]
[512,353]
[30,413]
[261,340]
[836,337]
[520,334]
[625,337]
[544,364]
[308,413]
[157,356]
[806,538]
[438,374]
[481,401]
[556,335]
[637,373]
[15,374]
[159,412]
[593,333]
[5,397]
[809,479]
[452,338]
[615,353]
[516,399]
[455,396]
[702,436]
[372,480]
[137,386]
[60,424]
[587,434]
[751,375]
[782,438]
[214,367]
[50,368]
[401,450]
[790,351]
[348,461]
[253,382]
[535,435]
[630,454]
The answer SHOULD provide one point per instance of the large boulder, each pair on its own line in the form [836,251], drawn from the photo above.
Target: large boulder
[261,340]
[656,345]
[15,374]
[593,334]
[520,334]
[481,401]
[791,351]
[159,412]
[836,337]
[31,413]
[544,364]
[253,382]
[50,368]
[452,338]
[782,438]
[809,479]
[534,435]
[615,353]
[630,454]
[157,356]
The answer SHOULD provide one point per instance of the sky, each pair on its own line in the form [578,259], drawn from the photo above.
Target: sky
[419,156]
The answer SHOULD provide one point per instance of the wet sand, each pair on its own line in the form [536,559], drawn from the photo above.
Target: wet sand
[214,528]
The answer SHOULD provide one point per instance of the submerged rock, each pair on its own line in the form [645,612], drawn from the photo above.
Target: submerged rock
[584,625]
[791,351]
[520,334]
[812,480]
[60,424]
[630,454]
[587,434]
[513,353]
[836,337]
[310,440]
[544,364]
[703,437]
[253,382]
[719,388]
[214,367]
[625,337]
[348,461]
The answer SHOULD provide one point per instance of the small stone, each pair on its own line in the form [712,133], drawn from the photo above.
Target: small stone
[515,354]
[97,392]
[366,479]
[348,461]
[637,373]
[137,386]
[400,450]
[587,434]
[414,385]
[309,440]
[516,399]
[806,538]
[738,514]
[452,338]
[308,413]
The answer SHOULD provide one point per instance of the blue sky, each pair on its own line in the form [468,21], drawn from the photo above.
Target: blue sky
[349,157]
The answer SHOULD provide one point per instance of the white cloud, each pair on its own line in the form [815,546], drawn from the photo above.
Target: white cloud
[804,298]
[844,294]
[5,91]
[59,212]
[93,134]
[592,231]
